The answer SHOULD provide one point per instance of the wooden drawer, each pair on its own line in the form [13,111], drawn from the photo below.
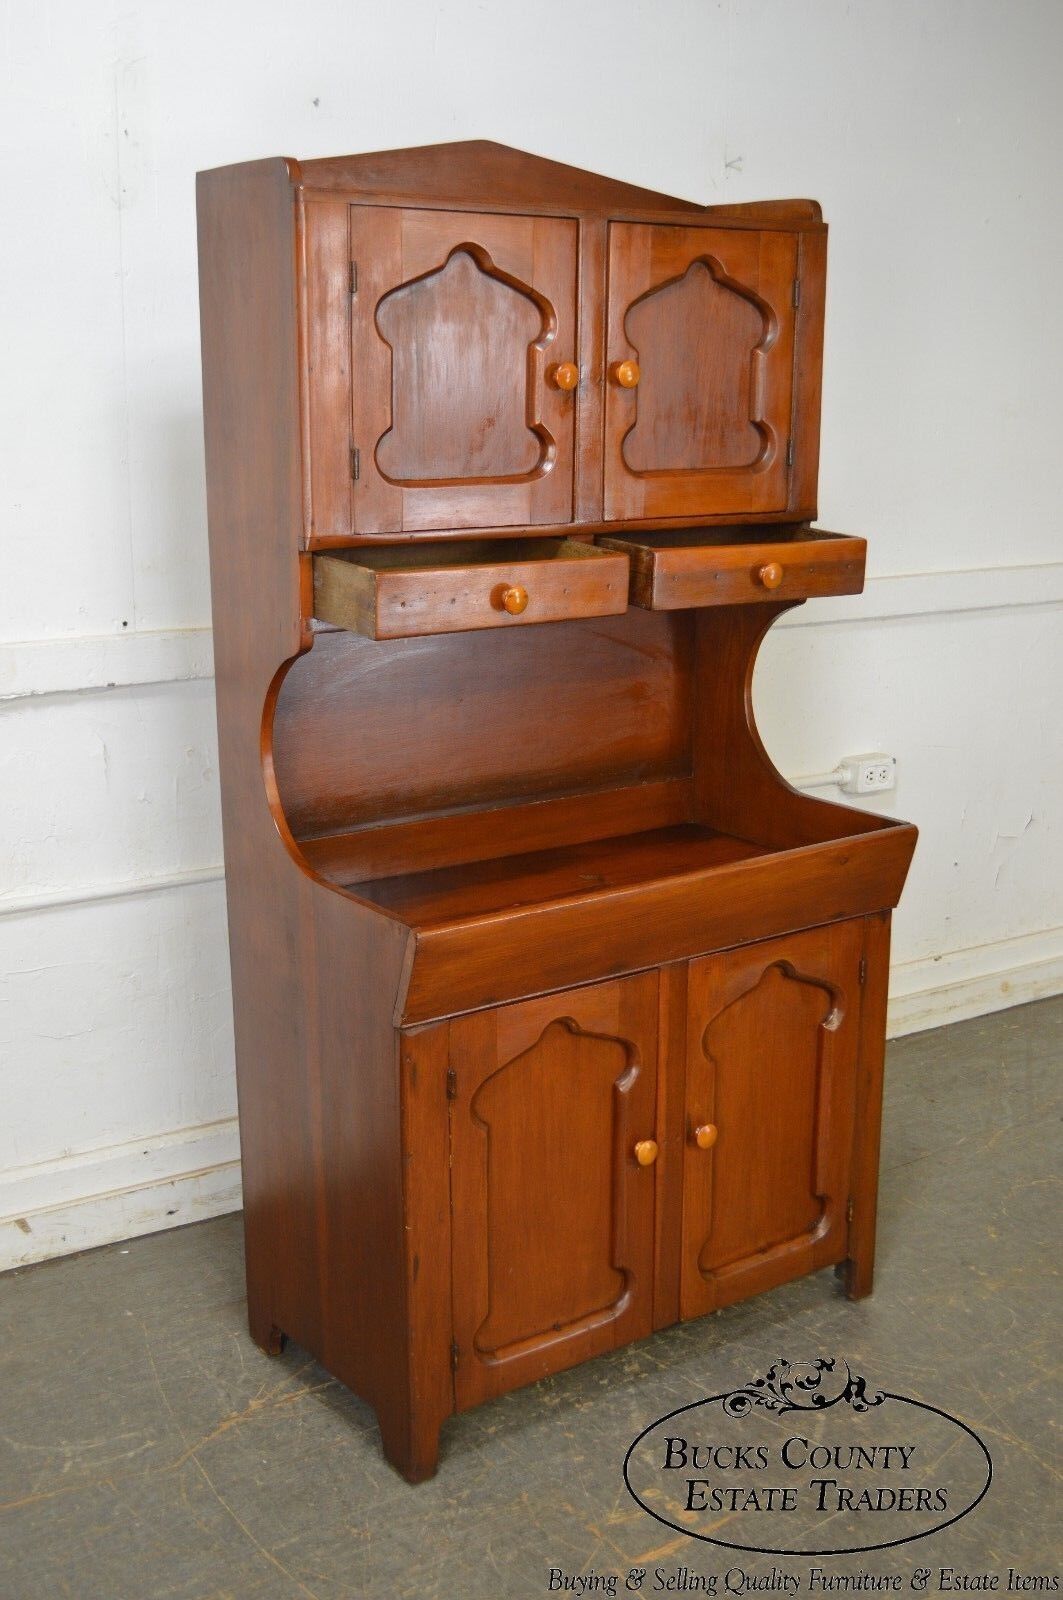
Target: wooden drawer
[726,567]
[400,592]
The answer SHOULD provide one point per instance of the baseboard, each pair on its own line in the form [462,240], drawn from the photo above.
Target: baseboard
[95,1197]
[33,668]
[973,982]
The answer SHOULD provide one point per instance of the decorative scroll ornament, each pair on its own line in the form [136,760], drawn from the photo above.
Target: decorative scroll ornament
[788,1388]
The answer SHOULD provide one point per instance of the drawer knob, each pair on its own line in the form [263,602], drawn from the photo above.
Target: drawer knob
[565,375]
[770,575]
[646,1152]
[627,374]
[705,1136]
[515,599]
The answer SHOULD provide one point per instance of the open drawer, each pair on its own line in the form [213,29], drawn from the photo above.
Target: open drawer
[730,566]
[402,591]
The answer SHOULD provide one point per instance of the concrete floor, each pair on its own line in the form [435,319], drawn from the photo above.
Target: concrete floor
[149,1450]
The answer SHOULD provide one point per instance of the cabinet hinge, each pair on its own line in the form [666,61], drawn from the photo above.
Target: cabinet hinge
[454,1355]
[849,1212]
[863,969]
[356,462]
[354,278]
[796,295]
[452,1084]
[789,452]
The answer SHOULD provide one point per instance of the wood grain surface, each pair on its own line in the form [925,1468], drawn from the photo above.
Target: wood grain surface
[517,901]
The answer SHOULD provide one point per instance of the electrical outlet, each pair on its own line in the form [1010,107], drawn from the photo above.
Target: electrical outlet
[868,774]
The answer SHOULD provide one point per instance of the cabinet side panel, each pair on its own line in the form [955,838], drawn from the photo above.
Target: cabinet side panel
[314,974]
[251,423]
[251,426]
[348,974]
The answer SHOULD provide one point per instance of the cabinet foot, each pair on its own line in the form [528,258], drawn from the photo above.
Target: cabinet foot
[858,1278]
[266,1334]
[410,1443]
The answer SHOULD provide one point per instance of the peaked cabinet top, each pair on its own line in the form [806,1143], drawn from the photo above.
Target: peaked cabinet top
[496,176]
[489,342]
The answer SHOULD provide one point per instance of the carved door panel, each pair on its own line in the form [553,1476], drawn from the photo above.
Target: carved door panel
[458,324]
[552,1212]
[701,366]
[771,1065]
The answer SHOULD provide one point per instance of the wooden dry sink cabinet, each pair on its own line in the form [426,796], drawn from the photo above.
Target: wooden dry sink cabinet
[559,1014]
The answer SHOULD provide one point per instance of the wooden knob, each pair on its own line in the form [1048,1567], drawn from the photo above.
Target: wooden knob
[770,575]
[515,599]
[705,1136]
[627,374]
[646,1152]
[565,375]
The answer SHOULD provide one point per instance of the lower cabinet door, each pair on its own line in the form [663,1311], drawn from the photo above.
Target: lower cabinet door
[772,1032]
[552,1123]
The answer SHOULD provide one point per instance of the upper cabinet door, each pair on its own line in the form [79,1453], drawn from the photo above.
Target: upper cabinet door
[700,376]
[462,371]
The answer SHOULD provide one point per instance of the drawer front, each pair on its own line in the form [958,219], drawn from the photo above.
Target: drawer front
[399,602]
[668,577]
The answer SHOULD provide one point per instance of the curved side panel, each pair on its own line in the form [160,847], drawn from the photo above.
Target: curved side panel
[275,802]
[738,788]
[818,863]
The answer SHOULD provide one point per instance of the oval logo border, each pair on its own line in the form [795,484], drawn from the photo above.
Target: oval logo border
[848,1550]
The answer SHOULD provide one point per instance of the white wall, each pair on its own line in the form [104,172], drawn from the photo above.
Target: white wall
[931,131]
